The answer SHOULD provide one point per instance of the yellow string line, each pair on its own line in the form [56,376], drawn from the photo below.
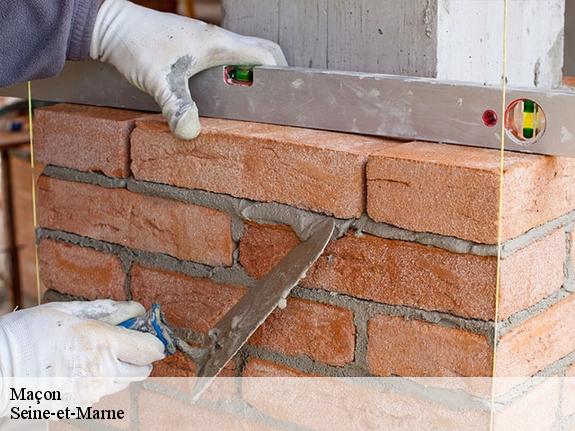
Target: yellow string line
[500,211]
[34,213]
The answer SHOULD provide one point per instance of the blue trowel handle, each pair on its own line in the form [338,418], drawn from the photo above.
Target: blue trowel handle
[152,322]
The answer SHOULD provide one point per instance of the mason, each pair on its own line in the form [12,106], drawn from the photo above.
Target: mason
[24,394]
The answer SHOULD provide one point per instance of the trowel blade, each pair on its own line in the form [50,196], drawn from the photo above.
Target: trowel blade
[242,320]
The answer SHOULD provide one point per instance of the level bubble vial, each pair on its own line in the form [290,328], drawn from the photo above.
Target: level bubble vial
[239,75]
[525,121]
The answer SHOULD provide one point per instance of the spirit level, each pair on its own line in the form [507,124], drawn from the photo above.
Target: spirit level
[372,104]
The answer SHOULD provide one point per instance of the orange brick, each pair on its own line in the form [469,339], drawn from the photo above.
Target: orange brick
[403,273]
[142,222]
[412,348]
[322,332]
[532,274]
[260,368]
[86,138]
[316,170]
[188,302]
[79,271]
[538,342]
[454,190]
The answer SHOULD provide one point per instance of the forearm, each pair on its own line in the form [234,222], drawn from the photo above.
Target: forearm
[38,36]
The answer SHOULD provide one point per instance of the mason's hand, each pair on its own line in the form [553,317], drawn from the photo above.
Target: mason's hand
[76,339]
[159,52]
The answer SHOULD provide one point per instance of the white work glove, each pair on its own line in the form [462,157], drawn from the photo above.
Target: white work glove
[75,346]
[76,339]
[159,52]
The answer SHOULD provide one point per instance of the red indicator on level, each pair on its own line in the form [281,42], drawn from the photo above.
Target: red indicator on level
[490,118]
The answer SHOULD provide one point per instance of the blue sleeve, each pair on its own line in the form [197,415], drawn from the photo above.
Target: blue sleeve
[38,36]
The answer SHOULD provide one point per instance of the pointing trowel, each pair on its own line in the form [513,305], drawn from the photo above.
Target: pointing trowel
[234,329]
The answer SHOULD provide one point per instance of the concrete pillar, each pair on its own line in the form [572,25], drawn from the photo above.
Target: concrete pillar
[569,68]
[446,39]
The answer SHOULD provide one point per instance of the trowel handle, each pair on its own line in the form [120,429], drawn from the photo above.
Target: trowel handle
[152,322]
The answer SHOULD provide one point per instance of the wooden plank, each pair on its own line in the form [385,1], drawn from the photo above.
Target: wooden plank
[252,17]
[303,32]
[383,36]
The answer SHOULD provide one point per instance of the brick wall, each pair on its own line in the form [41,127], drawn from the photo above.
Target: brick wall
[407,289]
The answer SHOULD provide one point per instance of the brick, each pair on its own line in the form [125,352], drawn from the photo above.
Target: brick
[532,274]
[316,170]
[454,190]
[81,272]
[260,368]
[536,409]
[263,246]
[86,138]
[538,342]
[142,222]
[188,302]
[170,371]
[324,333]
[159,411]
[412,348]
[409,274]
[177,365]
[358,404]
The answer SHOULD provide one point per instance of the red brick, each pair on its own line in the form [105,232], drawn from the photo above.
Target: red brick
[142,222]
[86,138]
[188,302]
[263,246]
[538,342]
[79,271]
[322,332]
[454,190]
[403,273]
[178,365]
[412,348]
[321,171]
[260,368]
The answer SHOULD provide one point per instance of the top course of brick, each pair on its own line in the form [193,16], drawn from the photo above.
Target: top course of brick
[425,187]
